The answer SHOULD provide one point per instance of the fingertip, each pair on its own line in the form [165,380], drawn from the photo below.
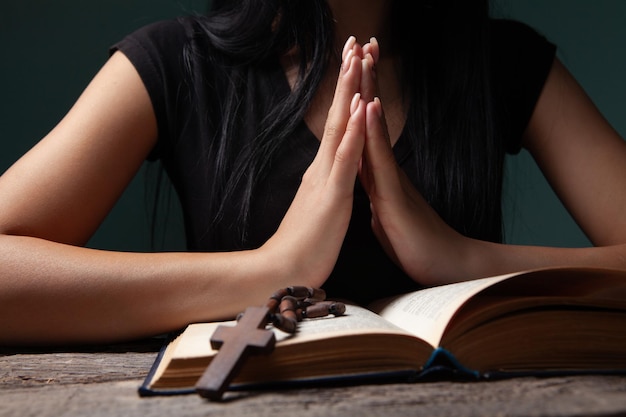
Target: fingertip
[354,104]
[378,107]
[370,61]
[347,62]
[348,46]
[358,49]
[375,48]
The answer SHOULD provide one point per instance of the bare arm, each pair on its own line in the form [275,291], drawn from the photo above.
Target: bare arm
[584,159]
[581,155]
[55,197]
[52,290]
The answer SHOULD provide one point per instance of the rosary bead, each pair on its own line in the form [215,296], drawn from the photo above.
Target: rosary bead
[290,305]
[275,298]
[284,323]
[337,309]
[324,308]
[300,292]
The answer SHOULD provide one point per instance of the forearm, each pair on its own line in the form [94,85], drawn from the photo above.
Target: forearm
[485,258]
[53,293]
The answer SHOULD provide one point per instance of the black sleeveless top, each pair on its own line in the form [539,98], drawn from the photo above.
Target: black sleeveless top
[522,61]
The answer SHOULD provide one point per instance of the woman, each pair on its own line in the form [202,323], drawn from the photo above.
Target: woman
[368,167]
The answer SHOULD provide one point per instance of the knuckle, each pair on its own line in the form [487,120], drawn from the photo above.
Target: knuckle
[331,130]
[341,156]
[307,176]
[310,178]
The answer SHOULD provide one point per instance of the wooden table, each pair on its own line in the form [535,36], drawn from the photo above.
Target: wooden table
[103,382]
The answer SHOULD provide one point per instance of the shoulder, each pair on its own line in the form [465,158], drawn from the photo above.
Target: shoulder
[520,52]
[513,30]
[173,58]
[162,43]
[162,34]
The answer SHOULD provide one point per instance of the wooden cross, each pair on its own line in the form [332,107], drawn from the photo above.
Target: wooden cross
[235,344]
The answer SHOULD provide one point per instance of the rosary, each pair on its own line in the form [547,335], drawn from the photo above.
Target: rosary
[284,309]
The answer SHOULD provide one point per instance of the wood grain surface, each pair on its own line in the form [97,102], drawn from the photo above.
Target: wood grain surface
[103,382]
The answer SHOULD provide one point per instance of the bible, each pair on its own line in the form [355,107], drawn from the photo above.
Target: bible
[537,322]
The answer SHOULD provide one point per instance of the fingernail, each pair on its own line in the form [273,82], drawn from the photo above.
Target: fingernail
[379,107]
[375,47]
[348,61]
[355,102]
[348,45]
[372,63]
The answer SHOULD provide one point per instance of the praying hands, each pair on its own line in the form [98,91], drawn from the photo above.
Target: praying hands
[356,143]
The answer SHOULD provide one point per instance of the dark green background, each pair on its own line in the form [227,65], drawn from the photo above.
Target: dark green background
[52,48]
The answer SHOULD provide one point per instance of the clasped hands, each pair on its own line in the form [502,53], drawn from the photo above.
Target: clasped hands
[355,144]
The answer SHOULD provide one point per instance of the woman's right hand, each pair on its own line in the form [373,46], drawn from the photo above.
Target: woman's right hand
[306,245]
[54,291]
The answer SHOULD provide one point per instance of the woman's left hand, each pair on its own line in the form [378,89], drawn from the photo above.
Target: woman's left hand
[410,231]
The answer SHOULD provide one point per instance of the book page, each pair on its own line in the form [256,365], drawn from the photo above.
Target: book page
[195,340]
[426,313]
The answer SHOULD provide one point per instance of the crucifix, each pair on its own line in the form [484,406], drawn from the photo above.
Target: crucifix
[284,309]
[248,336]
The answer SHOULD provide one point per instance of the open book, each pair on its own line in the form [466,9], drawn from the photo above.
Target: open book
[557,320]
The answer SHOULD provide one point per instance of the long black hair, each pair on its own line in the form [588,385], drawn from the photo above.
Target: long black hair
[443,50]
